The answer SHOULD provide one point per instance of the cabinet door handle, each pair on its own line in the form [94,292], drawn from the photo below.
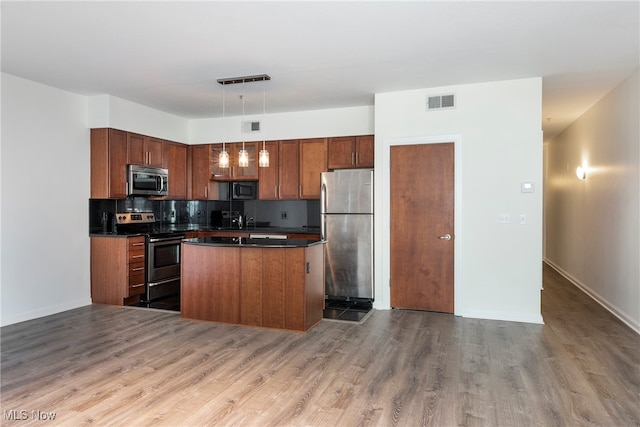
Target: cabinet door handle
[137,256]
[137,269]
[357,158]
[352,156]
[137,286]
[137,244]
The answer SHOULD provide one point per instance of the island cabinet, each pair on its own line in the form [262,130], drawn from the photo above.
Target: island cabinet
[313,161]
[274,287]
[117,269]
[280,181]
[347,152]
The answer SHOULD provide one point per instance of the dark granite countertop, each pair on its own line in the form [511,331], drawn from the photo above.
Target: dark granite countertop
[195,227]
[254,243]
[250,229]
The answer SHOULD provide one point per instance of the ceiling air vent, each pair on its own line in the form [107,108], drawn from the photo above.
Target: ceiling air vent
[250,127]
[439,102]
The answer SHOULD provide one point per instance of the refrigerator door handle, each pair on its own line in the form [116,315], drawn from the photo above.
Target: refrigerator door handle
[323,210]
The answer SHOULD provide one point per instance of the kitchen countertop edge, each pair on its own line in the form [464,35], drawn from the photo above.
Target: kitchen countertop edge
[253,243]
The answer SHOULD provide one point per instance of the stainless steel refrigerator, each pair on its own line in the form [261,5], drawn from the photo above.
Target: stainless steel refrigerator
[346,211]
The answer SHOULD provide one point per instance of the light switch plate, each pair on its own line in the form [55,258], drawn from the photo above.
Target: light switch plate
[526,187]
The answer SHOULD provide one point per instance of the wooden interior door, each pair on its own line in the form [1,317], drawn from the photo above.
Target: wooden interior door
[422,208]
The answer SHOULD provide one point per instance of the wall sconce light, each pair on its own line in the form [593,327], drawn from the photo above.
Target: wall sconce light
[581,173]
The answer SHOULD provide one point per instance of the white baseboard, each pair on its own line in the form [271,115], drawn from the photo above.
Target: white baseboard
[45,311]
[612,308]
[507,317]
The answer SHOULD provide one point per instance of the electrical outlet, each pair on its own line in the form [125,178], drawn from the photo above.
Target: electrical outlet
[284,215]
[504,218]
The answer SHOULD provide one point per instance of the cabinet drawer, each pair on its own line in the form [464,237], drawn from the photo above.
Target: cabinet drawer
[136,283]
[136,268]
[136,249]
[136,243]
[136,256]
[136,289]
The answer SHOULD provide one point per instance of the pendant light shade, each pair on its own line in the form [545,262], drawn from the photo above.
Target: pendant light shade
[243,156]
[263,159]
[223,157]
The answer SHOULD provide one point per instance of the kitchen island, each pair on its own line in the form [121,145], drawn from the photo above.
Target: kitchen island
[274,283]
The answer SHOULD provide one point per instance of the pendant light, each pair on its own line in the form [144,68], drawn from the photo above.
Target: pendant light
[263,158]
[223,157]
[243,156]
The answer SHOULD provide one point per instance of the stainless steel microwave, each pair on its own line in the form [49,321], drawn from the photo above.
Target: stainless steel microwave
[147,181]
[243,190]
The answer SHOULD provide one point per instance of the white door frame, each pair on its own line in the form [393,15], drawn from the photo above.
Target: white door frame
[383,217]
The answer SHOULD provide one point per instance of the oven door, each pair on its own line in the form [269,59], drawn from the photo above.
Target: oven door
[163,266]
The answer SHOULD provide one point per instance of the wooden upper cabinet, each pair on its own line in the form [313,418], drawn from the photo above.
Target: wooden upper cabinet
[268,179]
[145,150]
[341,152]
[288,170]
[350,152]
[108,164]
[201,186]
[364,151]
[175,161]
[235,172]
[280,181]
[313,161]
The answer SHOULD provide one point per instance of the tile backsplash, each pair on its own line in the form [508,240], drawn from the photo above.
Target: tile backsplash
[290,213]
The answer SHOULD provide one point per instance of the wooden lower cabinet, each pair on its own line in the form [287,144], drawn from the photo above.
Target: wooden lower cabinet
[270,287]
[117,270]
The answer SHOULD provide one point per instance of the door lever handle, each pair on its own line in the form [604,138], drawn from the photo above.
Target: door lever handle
[445,237]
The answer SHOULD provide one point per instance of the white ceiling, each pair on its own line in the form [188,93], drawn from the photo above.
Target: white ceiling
[168,55]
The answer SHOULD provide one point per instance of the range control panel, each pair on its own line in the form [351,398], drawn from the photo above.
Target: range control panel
[135,218]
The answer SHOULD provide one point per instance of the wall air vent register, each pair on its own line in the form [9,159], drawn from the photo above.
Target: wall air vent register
[441,102]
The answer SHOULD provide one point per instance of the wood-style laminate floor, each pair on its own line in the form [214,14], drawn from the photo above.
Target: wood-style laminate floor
[109,366]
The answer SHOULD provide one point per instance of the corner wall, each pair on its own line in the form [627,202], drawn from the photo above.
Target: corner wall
[498,267]
[592,226]
[45,188]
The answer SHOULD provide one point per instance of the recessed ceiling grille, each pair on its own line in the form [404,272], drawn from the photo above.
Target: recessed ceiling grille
[439,102]
[249,127]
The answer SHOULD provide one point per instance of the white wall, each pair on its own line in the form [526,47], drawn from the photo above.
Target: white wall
[592,226]
[109,111]
[304,124]
[45,192]
[498,267]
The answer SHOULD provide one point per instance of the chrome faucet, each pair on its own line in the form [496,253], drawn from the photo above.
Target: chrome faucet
[243,221]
